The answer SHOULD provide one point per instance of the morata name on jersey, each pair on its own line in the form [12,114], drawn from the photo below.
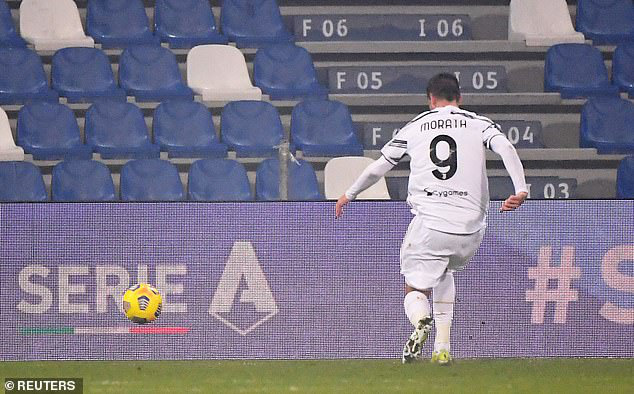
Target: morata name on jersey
[444,124]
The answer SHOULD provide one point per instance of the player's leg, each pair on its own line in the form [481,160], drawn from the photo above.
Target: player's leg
[416,305]
[421,269]
[444,293]
[444,297]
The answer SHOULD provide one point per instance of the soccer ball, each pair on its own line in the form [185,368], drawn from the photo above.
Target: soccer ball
[142,303]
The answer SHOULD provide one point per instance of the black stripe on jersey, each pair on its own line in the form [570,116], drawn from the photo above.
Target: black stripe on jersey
[487,143]
[397,145]
[474,117]
[484,119]
[463,114]
[390,160]
[400,142]
[497,126]
[421,116]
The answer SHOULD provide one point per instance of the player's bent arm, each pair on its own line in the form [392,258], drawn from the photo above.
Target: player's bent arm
[514,167]
[369,177]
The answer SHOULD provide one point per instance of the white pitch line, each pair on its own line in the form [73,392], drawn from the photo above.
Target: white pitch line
[101,330]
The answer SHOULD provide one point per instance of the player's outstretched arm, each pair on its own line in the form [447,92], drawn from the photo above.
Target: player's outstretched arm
[514,167]
[368,177]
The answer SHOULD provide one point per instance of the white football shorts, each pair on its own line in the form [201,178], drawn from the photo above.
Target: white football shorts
[427,254]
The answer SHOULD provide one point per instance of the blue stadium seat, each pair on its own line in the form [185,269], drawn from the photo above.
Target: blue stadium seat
[118,130]
[625,178]
[82,180]
[606,21]
[186,23]
[186,129]
[253,23]
[324,128]
[9,37]
[21,181]
[118,23]
[623,68]
[218,180]
[83,74]
[150,73]
[150,180]
[286,71]
[49,131]
[302,181]
[576,70]
[22,77]
[607,124]
[251,128]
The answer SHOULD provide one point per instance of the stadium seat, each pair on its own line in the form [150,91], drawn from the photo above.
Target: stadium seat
[8,150]
[218,180]
[9,37]
[623,68]
[118,23]
[84,74]
[302,183]
[21,181]
[49,131]
[625,178]
[606,21]
[219,73]
[607,124]
[186,129]
[82,180]
[576,70]
[150,73]
[22,77]
[251,128]
[186,23]
[118,130]
[52,24]
[341,172]
[542,23]
[286,71]
[253,23]
[150,180]
[324,128]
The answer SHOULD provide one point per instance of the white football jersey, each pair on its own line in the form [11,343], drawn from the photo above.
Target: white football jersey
[448,185]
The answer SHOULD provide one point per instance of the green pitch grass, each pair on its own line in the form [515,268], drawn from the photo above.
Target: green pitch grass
[344,376]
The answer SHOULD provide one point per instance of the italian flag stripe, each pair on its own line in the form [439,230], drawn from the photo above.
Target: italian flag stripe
[101,330]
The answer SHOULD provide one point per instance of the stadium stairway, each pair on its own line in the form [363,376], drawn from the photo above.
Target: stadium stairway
[509,76]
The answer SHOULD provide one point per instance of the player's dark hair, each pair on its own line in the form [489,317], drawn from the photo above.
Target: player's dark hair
[444,86]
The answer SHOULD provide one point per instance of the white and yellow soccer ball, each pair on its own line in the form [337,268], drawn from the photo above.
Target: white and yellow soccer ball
[142,303]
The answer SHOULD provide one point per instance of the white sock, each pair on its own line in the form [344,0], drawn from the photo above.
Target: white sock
[444,297]
[416,306]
